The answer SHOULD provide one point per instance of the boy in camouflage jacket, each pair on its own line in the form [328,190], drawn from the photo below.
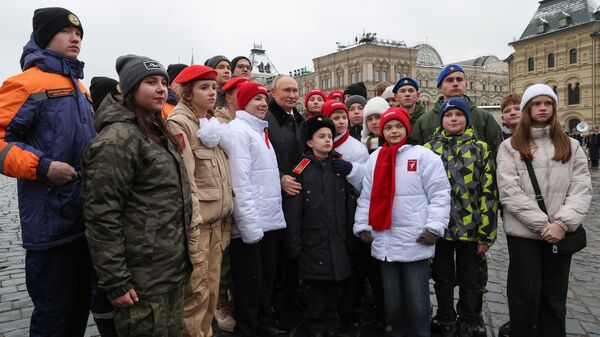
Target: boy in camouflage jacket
[473,218]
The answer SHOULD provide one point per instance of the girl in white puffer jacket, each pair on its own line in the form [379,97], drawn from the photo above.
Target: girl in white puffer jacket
[403,208]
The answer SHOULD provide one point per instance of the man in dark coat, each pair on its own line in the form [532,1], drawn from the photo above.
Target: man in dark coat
[593,144]
[284,133]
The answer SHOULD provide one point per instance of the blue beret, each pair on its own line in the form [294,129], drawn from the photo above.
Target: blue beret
[405,81]
[456,103]
[449,69]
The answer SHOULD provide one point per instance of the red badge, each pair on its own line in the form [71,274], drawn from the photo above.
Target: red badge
[180,140]
[412,165]
[300,167]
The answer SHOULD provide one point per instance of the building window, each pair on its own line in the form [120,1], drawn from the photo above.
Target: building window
[550,60]
[530,64]
[573,93]
[384,76]
[354,77]
[323,82]
[426,83]
[573,56]
[555,89]
[471,86]
[340,77]
[398,77]
[564,21]
[376,76]
[359,77]
[484,87]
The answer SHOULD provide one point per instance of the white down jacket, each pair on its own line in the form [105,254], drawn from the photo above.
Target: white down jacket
[566,188]
[421,201]
[254,174]
[355,152]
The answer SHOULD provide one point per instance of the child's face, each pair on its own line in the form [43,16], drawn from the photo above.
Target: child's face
[315,103]
[511,115]
[454,122]
[394,131]
[356,113]
[373,124]
[321,142]
[340,119]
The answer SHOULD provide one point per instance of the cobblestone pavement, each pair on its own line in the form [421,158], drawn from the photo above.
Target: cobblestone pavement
[583,306]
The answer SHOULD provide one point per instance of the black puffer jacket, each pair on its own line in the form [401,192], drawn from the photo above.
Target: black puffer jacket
[319,220]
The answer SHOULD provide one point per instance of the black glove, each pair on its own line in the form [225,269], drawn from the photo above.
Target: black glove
[341,167]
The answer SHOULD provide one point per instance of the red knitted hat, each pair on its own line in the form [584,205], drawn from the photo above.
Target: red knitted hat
[332,105]
[314,92]
[247,90]
[395,113]
[336,94]
[234,83]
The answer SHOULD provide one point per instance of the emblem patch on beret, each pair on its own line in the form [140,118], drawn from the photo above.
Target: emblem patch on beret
[451,68]
[405,81]
[74,19]
[152,65]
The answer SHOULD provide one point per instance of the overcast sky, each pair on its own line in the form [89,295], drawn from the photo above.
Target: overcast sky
[292,32]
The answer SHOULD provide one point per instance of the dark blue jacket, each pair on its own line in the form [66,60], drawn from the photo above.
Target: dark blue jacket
[45,116]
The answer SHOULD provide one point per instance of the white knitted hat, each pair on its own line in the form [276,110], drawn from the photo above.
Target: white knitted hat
[388,92]
[534,91]
[375,106]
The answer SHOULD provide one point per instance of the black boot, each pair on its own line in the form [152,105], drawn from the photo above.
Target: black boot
[480,329]
[463,329]
[106,327]
[504,330]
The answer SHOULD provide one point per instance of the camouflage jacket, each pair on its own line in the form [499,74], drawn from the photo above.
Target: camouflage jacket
[137,207]
[474,194]
[484,125]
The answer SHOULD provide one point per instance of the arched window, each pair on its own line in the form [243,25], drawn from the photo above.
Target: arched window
[530,64]
[551,60]
[555,89]
[573,93]
[573,56]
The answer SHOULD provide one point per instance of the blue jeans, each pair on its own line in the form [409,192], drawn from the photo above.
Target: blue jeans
[406,290]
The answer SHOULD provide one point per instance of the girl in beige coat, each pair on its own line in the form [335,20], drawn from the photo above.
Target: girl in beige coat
[212,201]
[537,277]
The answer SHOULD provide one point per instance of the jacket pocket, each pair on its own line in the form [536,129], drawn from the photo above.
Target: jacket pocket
[66,203]
[149,240]
[206,161]
[209,194]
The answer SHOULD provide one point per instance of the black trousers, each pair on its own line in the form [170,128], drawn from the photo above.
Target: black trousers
[537,285]
[253,268]
[447,275]
[59,281]
[321,316]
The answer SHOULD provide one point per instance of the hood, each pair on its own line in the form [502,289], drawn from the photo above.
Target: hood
[112,111]
[440,135]
[49,61]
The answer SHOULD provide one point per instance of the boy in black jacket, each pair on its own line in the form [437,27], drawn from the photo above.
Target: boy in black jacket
[318,222]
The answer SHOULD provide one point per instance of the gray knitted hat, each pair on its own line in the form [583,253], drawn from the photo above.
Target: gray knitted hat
[213,61]
[355,99]
[133,68]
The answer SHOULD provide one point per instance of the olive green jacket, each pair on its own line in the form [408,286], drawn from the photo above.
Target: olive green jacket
[137,207]
[485,126]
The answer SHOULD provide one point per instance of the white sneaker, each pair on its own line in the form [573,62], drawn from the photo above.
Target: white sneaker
[225,319]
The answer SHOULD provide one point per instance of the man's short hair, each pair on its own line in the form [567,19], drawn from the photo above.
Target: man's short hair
[510,99]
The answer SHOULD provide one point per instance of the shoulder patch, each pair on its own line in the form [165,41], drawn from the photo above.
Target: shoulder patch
[300,167]
[180,140]
[60,92]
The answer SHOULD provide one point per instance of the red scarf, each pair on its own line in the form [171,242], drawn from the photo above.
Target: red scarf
[342,139]
[382,194]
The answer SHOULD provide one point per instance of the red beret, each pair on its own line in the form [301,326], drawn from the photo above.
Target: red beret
[247,90]
[395,113]
[336,94]
[196,72]
[314,92]
[234,82]
[332,105]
